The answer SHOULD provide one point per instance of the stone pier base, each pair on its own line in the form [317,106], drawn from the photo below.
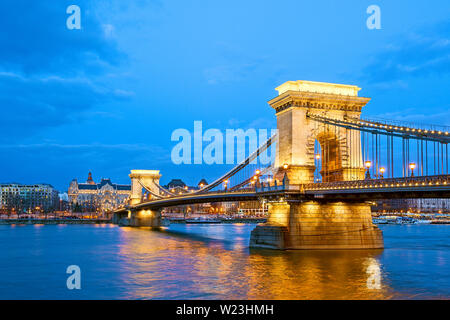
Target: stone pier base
[314,225]
[145,218]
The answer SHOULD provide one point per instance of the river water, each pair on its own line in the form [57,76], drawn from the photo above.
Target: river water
[214,262]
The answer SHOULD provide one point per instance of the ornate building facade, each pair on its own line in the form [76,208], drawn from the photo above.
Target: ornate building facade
[102,197]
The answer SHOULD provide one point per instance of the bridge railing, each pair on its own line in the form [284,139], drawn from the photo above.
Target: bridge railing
[419,181]
[270,187]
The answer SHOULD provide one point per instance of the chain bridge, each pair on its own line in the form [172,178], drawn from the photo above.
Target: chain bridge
[330,164]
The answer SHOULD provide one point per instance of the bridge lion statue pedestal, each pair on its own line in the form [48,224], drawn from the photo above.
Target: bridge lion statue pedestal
[321,224]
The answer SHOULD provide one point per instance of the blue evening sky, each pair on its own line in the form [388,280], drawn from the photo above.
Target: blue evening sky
[107,98]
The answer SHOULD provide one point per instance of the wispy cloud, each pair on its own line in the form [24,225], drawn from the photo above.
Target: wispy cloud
[32,103]
[418,116]
[49,75]
[93,152]
[420,53]
[234,65]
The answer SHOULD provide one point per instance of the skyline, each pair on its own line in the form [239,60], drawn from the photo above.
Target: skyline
[106,98]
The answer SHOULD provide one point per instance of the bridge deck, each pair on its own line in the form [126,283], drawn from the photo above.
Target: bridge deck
[361,190]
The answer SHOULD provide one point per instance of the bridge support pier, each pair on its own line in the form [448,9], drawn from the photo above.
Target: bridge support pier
[317,225]
[118,216]
[145,218]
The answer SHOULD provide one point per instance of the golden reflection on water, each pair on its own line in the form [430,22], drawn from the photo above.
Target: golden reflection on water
[171,265]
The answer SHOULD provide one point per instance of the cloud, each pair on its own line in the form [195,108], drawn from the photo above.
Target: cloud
[50,75]
[34,103]
[418,117]
[229,73]
[58,163]
[35,38]
[421,53]
[95,153]
[234,66]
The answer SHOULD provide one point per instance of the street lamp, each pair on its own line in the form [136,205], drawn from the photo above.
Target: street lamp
[412,166]
[382,170]
[285,166]
[257,172]
[316,171]
[368,164]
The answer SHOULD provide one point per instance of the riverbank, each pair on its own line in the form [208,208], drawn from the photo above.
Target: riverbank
[53,221]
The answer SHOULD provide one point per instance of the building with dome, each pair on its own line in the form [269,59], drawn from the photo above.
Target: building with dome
[101,198]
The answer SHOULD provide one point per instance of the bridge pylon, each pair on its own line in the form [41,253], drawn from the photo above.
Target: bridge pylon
[341,154]
[141,178]
[297,224]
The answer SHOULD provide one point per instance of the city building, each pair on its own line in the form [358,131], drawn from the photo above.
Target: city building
[19,198]
[102,197]
[64,205]
[252,209]
[431,205]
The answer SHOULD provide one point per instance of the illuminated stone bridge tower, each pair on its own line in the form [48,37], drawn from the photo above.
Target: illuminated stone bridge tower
[340,150]
[320,224]
[141,178]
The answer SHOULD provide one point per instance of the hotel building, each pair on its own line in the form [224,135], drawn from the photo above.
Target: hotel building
[100,197]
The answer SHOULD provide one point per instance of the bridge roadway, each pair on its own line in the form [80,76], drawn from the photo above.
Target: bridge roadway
[362,190]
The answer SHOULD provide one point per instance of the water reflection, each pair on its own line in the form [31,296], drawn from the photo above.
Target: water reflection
[214,262]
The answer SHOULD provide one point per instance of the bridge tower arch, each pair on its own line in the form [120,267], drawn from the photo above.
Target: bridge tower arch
[141,178]
[296,101]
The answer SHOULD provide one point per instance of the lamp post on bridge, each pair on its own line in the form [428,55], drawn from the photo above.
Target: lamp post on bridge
[368,164]
[256,178]
[382,170]
[412,166]
[317,156]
